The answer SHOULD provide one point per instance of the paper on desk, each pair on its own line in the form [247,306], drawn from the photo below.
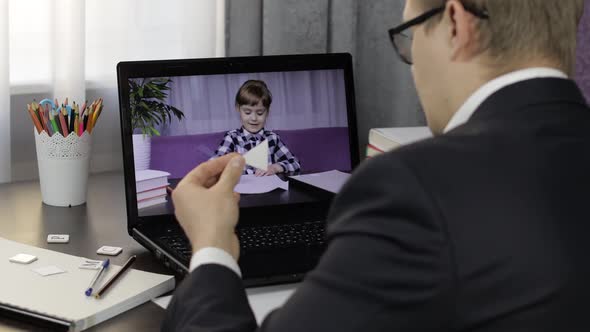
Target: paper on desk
[48,270]
[263,300]
[331,181]
[163,301]
[251,184]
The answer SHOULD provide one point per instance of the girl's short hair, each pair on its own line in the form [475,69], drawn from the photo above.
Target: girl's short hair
[252,92]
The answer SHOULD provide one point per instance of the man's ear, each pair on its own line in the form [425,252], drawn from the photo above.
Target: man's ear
[462,31]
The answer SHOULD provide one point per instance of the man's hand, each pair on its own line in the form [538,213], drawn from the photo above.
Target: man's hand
[271,170]
[207,206]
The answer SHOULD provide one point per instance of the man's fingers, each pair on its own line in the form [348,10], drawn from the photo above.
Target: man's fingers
[206,174]
[211,181]
[231,174]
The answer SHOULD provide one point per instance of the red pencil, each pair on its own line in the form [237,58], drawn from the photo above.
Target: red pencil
[48,128]
[40,111]
[64,127]
[81,124]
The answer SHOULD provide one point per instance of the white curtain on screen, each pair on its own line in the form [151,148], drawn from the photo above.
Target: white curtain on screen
[65,46]
[5,168]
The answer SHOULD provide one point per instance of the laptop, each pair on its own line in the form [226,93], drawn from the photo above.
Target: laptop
[176,114]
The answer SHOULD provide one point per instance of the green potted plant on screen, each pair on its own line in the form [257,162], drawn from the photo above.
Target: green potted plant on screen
[149,110]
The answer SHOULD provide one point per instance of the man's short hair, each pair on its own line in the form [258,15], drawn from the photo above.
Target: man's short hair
[252,92]
[521,29]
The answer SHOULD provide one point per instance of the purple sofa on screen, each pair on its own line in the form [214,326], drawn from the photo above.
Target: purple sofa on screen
[318,150]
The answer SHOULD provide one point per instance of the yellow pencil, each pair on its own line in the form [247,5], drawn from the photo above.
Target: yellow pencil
[97,105]
[96,115]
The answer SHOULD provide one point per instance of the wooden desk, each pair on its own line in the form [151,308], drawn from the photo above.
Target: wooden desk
[102,221]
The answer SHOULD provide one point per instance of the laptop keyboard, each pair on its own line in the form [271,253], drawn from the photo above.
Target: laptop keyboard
[261,237]
[282,236]
[178,244]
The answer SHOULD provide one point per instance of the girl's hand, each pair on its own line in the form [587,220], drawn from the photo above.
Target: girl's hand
[271,170]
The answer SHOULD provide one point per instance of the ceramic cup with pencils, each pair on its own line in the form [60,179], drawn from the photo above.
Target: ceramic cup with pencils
[63,137]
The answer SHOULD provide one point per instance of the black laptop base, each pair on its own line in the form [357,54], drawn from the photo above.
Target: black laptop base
[268,254]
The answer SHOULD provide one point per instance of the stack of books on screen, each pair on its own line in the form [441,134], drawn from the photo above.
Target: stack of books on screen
[387,139]
[151,187]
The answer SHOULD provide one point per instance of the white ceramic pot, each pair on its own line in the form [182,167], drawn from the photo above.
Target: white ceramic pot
[142,150]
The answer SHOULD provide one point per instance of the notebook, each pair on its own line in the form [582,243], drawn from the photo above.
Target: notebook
[59,299]
[150,179]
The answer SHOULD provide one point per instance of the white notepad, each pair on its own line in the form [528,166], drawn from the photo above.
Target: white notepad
[60,297]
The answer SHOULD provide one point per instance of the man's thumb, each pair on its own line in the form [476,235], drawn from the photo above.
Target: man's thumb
[231,174]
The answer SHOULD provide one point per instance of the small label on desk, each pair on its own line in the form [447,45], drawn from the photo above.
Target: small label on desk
[58,238]
[90,264]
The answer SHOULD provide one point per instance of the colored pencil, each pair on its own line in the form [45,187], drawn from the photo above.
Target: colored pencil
[64,127]
[48,124]
[64,119]
[53,123]
[81,125]
[35,120]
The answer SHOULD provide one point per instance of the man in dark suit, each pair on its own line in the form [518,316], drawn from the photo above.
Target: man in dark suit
[483,228]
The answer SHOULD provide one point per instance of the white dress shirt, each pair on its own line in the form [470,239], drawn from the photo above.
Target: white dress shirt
[218,256]
[493,86]
[211,255]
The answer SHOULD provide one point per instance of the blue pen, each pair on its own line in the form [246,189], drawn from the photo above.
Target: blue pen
[105,264]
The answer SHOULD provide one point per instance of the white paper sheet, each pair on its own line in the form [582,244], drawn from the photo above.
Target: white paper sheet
[258,157]
[331,181]
[263,300]
[251,184]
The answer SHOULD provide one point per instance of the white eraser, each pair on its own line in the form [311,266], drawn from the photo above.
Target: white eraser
[109,251]
[23,259]
[58,238]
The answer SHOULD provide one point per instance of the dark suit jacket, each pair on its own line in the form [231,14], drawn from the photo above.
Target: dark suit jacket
[485,228]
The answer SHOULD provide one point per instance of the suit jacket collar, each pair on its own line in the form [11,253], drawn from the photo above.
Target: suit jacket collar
[528,93]
[485,91]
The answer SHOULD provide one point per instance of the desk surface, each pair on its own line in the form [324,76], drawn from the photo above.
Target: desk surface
[102,221]
[278,197]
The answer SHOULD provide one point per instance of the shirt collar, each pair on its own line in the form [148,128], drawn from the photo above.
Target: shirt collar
[247,134]
[485,91]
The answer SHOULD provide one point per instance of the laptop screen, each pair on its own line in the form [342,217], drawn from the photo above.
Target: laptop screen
[285,123]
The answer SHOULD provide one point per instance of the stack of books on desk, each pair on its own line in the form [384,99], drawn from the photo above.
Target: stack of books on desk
[386,139]
[151,187]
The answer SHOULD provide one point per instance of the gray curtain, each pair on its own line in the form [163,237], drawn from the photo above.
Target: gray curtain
[385,93]
[583,60]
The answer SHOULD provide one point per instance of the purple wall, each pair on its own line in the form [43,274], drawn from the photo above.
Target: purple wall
[583,60]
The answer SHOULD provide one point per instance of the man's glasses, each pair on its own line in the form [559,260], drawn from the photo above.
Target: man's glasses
[402,40]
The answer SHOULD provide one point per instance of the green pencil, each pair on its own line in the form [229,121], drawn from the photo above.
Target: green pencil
[53,123]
